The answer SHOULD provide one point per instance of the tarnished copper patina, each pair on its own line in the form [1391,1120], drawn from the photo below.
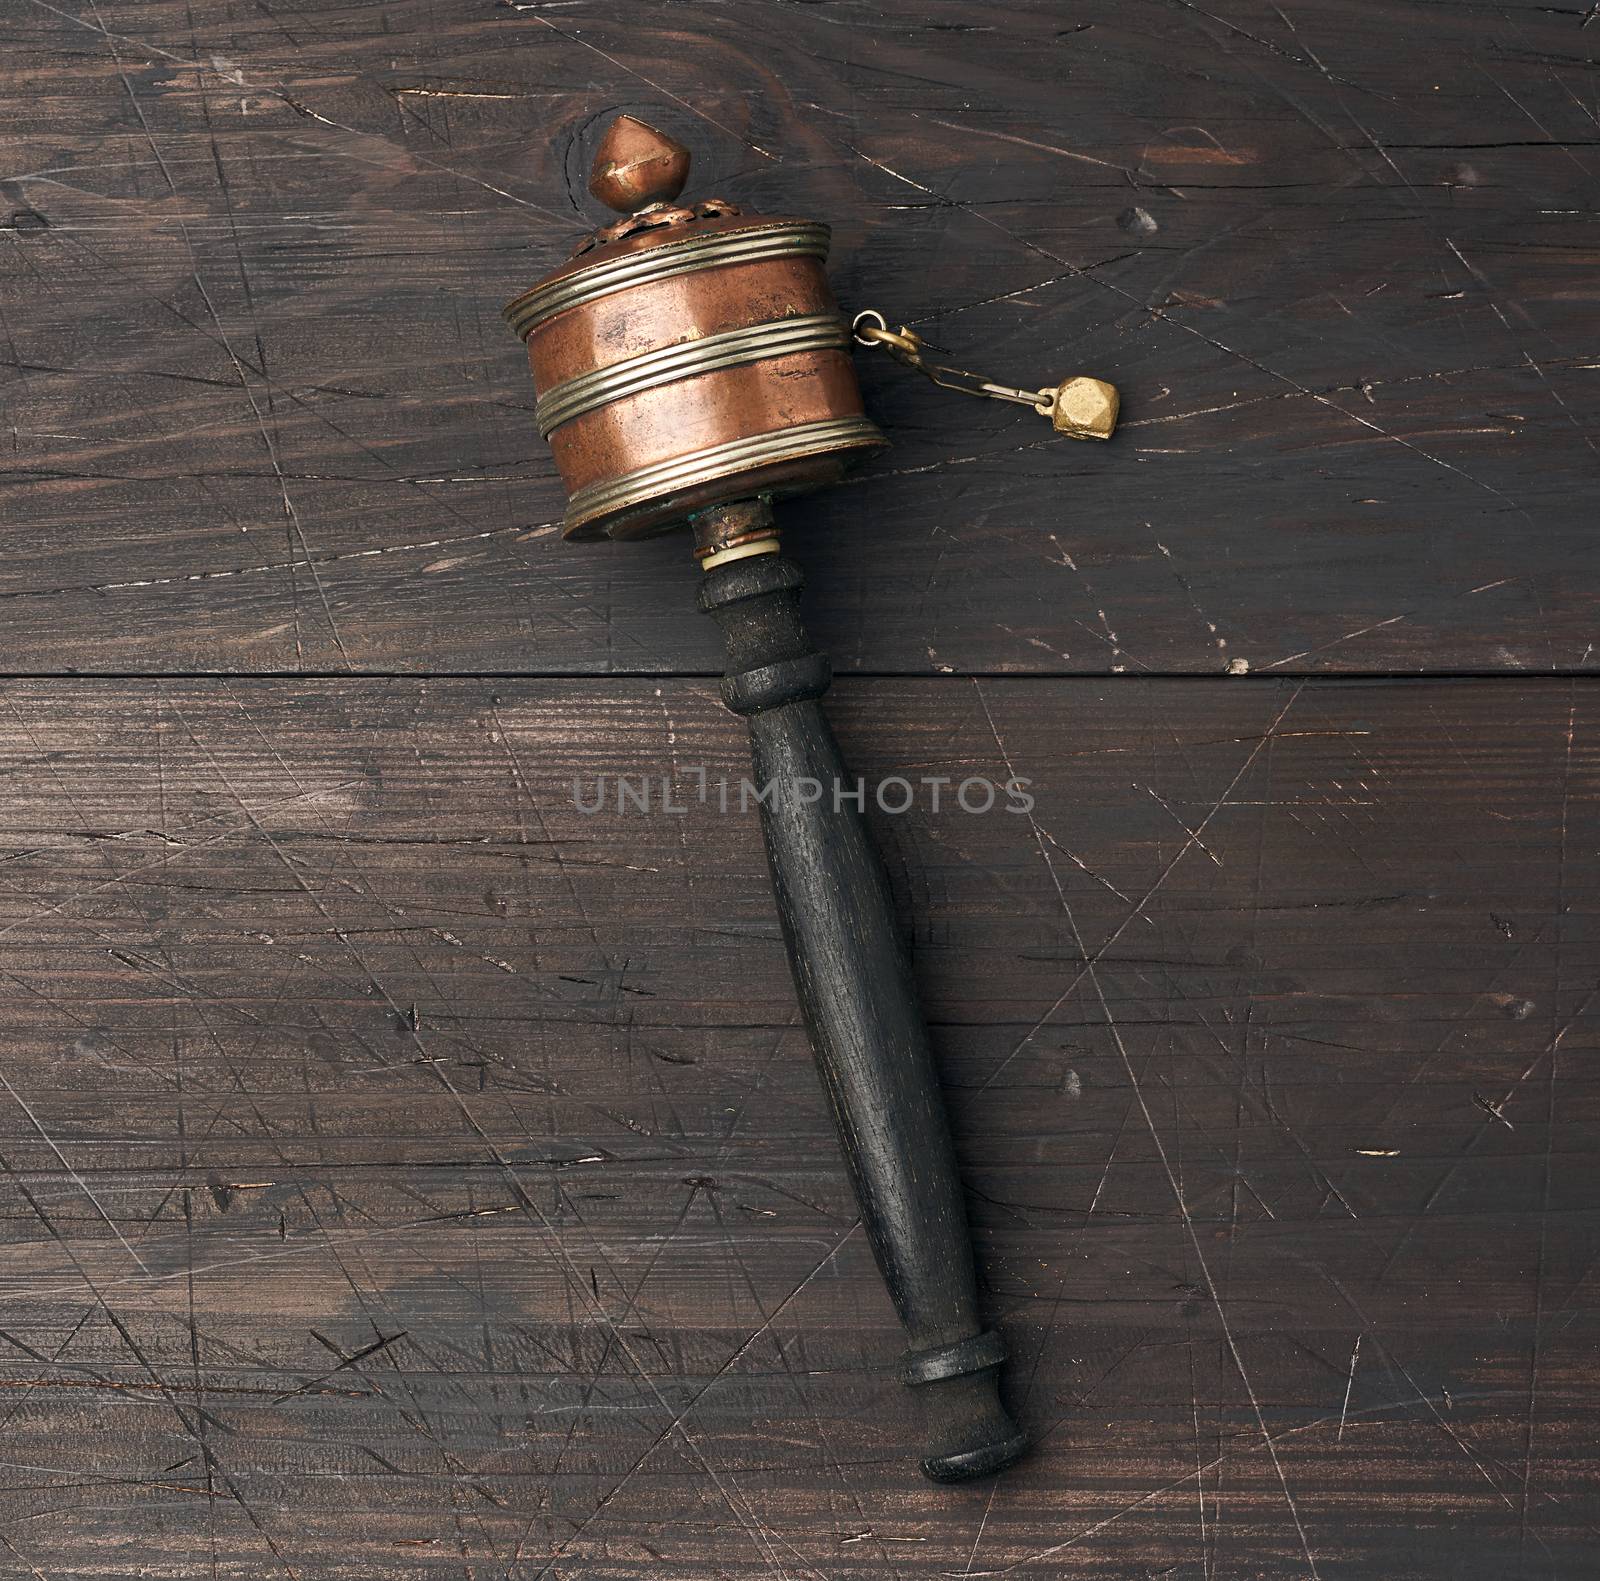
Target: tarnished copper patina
[687,356]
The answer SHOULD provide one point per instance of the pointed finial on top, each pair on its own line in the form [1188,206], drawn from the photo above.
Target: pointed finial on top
[636,165]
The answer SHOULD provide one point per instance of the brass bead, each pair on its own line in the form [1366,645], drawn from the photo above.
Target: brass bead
[1085,409]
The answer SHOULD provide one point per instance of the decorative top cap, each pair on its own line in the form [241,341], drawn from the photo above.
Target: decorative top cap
[636,166]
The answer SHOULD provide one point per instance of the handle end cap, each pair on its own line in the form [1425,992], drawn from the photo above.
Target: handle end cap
[969,1464]
[970,1433]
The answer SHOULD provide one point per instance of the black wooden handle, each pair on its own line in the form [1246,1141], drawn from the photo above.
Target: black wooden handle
[860,1007]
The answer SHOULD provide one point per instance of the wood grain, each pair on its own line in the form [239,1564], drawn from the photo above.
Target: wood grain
[1341,260]
[409,1174]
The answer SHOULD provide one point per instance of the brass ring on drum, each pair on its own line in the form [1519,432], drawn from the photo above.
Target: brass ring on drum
[791,239]
[740,551]
[733,348]
[705,466]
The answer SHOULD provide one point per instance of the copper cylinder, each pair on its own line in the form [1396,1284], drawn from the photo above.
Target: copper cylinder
[688,357]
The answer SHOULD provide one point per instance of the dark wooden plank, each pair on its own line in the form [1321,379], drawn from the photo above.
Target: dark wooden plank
[263,414]
[1269,1041]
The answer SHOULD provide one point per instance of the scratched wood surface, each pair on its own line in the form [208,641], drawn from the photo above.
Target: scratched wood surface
[1341,258]
[407,1174]
[404,1181]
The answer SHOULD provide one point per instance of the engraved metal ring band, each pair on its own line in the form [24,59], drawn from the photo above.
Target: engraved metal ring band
[787,444]
[798,239]
[733,348]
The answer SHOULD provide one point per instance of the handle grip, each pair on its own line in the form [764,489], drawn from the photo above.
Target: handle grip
[856,994]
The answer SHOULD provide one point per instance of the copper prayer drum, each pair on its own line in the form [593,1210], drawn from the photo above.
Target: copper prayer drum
[685,357]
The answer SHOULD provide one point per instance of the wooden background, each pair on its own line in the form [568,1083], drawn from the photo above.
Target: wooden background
[408,1175]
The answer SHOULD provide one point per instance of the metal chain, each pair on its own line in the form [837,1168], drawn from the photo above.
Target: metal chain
[870,328]
[1079,408]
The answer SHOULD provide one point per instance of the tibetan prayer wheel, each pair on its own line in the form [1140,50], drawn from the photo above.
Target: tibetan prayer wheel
[691,367]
